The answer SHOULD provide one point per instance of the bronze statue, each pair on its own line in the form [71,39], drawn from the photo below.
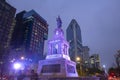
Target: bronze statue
[59,22]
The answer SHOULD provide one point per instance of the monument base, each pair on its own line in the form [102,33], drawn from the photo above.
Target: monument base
[58,67]
[69,78]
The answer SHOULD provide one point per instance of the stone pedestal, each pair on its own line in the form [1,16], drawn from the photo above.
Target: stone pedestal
[57,67]
[69,78]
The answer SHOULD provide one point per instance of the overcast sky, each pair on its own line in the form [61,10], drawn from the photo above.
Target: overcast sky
[99,21]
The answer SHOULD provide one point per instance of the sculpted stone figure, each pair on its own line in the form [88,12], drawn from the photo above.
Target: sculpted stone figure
[59,22]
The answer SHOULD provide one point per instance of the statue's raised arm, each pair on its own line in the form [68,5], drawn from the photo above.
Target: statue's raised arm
[59,22]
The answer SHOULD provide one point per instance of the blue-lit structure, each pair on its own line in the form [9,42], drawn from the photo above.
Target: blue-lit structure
[57,63]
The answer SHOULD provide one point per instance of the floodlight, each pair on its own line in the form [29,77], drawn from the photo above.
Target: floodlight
[17,66]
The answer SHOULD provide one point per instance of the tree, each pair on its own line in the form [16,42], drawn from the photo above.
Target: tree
[117,58]
[93,71]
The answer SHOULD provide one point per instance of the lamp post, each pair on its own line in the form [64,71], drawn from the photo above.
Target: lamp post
[17,67]
[78,60]
[1,71]
[104,68]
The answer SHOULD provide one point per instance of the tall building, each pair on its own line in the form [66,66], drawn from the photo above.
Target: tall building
[95,61]
[7,13]
[86,56]
[29,34]
[73,34]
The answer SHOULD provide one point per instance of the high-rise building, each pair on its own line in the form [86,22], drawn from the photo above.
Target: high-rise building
[86,56]
[73,34]
[7,13]
[29,34]
[95,61]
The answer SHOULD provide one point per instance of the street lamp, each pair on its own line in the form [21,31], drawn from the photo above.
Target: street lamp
[104,66]
[78,60]
[17,66]
[22,58]
[1,70]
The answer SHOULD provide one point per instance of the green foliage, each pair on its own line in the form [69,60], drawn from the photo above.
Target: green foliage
[93,71]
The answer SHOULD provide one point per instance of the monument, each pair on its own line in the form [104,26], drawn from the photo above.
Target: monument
[57,62]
